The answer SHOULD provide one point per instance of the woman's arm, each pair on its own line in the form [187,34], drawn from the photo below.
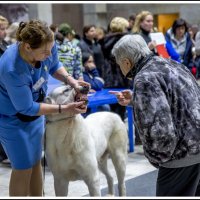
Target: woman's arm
[74,108]
[62,75]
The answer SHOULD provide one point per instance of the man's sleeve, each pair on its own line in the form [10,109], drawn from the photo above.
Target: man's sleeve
[154,121]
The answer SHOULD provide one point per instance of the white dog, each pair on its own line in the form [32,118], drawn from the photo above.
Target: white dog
[77,147]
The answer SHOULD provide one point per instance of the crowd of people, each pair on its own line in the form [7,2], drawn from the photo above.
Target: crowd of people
[97,59]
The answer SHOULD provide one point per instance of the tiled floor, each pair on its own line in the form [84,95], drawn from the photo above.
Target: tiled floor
[137,165]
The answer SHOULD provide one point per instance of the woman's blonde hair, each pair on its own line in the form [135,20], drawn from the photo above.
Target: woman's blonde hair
[118,24]
[140,18]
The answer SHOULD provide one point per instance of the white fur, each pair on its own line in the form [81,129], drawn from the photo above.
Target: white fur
[77,147]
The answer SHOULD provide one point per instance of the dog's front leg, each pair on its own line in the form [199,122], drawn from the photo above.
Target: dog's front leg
[93,183]
[90,173]
[61,186]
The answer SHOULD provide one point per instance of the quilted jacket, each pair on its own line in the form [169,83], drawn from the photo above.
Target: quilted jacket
[166,100]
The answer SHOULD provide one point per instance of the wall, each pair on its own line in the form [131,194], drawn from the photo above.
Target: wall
[80,14]
[68,13]
[15,12]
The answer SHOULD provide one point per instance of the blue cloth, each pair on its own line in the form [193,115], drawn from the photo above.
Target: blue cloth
[97,83]
[92,77]
[171,51]
[22,141]
[187,57]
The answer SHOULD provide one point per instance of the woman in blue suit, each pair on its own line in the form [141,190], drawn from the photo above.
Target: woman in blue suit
[24,70]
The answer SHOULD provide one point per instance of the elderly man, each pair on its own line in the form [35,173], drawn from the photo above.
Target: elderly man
[166,100]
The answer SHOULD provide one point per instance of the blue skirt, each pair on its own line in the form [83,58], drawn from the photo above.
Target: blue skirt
[22,141]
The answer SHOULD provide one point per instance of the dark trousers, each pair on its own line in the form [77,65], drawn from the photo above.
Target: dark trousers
[183,181]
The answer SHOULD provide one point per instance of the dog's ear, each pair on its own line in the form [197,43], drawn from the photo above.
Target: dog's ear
[48,100]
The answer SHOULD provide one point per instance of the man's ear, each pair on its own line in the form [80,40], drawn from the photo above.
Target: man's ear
[127,63]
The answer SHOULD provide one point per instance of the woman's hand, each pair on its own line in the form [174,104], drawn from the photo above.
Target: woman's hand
[124,97]
[62,75]
[152,45]
[78,85]
[82,87]
[75,107]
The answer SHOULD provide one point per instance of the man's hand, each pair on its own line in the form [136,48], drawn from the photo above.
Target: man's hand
[124,97]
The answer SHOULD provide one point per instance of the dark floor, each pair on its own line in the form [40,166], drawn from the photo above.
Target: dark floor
[144,185]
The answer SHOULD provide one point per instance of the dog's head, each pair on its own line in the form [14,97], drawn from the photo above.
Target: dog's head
[65,94]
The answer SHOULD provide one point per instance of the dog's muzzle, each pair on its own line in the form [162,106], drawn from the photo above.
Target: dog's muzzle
[81,97]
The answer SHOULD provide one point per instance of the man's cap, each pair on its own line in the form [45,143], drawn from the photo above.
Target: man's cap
[65,28]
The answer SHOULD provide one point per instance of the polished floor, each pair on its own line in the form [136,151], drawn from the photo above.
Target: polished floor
[137,166]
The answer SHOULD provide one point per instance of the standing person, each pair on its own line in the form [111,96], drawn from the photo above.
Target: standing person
[3,47]
[144,25]
[11,32]
[3,27]
[68,53]
[197,56]
[166,101]
[24,70]
[100,34]
[131,21]
[112,75]
[179,39]
[90,44]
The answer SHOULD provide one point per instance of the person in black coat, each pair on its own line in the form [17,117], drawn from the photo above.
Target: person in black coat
[112,74]
[143,26]
[3,47]
[89,44]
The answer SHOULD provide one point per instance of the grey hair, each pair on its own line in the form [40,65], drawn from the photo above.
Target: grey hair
[132,47]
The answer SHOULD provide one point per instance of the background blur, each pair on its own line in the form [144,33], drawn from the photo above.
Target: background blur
[100,14]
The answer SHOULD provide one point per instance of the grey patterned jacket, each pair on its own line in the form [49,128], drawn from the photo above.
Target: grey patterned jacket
[166,100]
